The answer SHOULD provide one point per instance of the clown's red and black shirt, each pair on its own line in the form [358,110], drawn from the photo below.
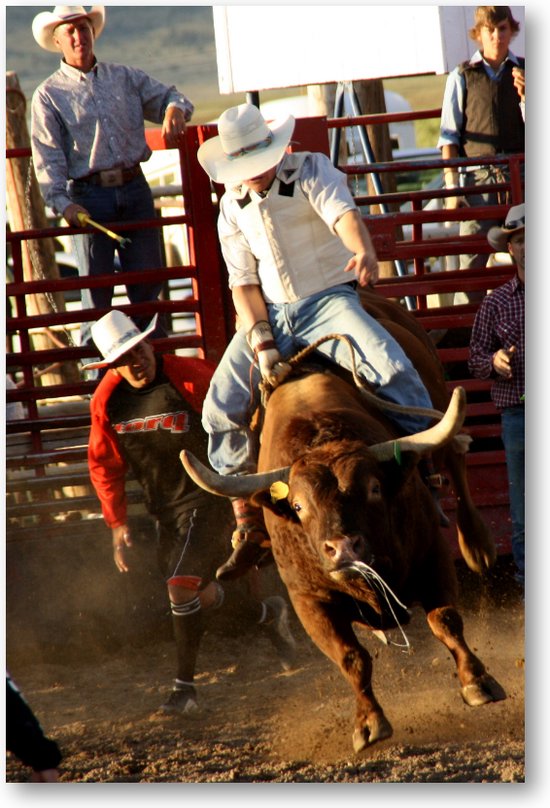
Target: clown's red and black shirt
[145,430]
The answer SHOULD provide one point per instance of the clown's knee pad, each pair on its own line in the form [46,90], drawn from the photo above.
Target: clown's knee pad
[183,592]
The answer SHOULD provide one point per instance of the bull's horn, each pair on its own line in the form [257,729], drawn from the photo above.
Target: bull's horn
[432,438]
[230,485]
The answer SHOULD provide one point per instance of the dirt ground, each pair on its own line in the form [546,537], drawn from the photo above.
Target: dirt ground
[258,724]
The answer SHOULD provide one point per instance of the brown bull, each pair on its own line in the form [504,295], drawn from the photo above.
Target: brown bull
[354,530]
[474,539]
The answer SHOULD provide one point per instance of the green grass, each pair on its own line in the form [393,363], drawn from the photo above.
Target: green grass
[422,92]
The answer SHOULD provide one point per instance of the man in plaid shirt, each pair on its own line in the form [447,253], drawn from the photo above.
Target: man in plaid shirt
[497,350]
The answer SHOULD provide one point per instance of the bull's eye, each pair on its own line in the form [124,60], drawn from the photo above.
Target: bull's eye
[297,507]
[374,489]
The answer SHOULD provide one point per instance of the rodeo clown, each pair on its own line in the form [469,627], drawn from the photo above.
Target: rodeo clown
[145,410]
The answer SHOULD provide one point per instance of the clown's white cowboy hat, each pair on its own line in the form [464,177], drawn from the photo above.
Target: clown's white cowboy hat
[245,146]
[515,220]
[115,334]
[45,23]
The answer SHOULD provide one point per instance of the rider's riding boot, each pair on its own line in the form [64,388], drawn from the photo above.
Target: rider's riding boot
[251,545]
[435,483]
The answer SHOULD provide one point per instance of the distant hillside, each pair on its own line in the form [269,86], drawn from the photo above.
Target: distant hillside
[176,45]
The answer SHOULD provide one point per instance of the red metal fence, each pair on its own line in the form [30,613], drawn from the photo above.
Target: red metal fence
[40,444]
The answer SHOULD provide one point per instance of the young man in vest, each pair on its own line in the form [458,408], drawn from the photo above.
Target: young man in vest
[145,410]
[295,246]
[483,115]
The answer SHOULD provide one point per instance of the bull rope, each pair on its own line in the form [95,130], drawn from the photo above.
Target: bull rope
[380,587]
[379,403]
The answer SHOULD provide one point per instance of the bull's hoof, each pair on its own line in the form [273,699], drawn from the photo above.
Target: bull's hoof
[483,691]
[378,728]
[479,556]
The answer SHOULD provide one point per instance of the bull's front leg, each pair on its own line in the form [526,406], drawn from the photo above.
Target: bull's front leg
[333,634]
[477,686]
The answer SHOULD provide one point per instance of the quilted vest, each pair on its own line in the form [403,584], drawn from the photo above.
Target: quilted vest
[493,123]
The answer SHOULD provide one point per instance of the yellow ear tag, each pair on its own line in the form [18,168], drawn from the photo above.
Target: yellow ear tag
[278,490]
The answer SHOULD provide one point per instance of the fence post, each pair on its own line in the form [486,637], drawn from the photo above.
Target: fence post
[26,212]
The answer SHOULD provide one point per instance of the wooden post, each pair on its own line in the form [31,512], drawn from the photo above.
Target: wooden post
[371,99]
[26,211]
[370,94]
[321,100]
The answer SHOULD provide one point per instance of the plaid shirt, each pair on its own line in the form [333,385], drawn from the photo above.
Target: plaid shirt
[500,323]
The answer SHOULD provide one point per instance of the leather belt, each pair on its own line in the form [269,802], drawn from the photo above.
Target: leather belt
[112,177]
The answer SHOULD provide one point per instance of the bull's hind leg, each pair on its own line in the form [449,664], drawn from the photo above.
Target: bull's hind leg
[474,537]
[333,634]
[477,686]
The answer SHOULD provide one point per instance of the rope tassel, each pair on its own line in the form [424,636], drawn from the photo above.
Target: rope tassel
[381,587]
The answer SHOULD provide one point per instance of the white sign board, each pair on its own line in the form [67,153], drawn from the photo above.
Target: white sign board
[266,47]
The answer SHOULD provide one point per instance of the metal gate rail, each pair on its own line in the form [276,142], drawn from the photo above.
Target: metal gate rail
[37,444]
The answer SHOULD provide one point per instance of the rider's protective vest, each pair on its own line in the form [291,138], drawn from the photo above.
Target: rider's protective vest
[311,260]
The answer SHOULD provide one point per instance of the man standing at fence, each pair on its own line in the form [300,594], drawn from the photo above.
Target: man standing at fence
[483,115]
[88,143]
[497,351]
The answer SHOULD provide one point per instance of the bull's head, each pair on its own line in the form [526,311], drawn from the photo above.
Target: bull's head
[338,494]
[330,488]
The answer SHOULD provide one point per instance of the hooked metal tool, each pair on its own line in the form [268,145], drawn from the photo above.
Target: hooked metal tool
[83,219]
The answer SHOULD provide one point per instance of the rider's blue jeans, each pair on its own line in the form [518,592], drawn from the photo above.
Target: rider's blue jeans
[233,394]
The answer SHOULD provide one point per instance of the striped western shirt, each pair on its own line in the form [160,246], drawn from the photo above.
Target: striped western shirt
[88,122]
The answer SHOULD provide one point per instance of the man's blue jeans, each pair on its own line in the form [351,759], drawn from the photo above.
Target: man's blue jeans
[487,175]
[96,252]
[233,395]
[513,437]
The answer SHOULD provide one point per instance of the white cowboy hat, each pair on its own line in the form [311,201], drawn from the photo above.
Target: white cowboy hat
[114,334]
[498,237]
[45,23]
[245,146]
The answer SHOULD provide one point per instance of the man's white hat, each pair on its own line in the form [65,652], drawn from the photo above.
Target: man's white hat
[515,220]
[114,334]
[245,146]
[45,23]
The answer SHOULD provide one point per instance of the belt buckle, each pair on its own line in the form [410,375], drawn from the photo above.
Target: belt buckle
[111,178]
